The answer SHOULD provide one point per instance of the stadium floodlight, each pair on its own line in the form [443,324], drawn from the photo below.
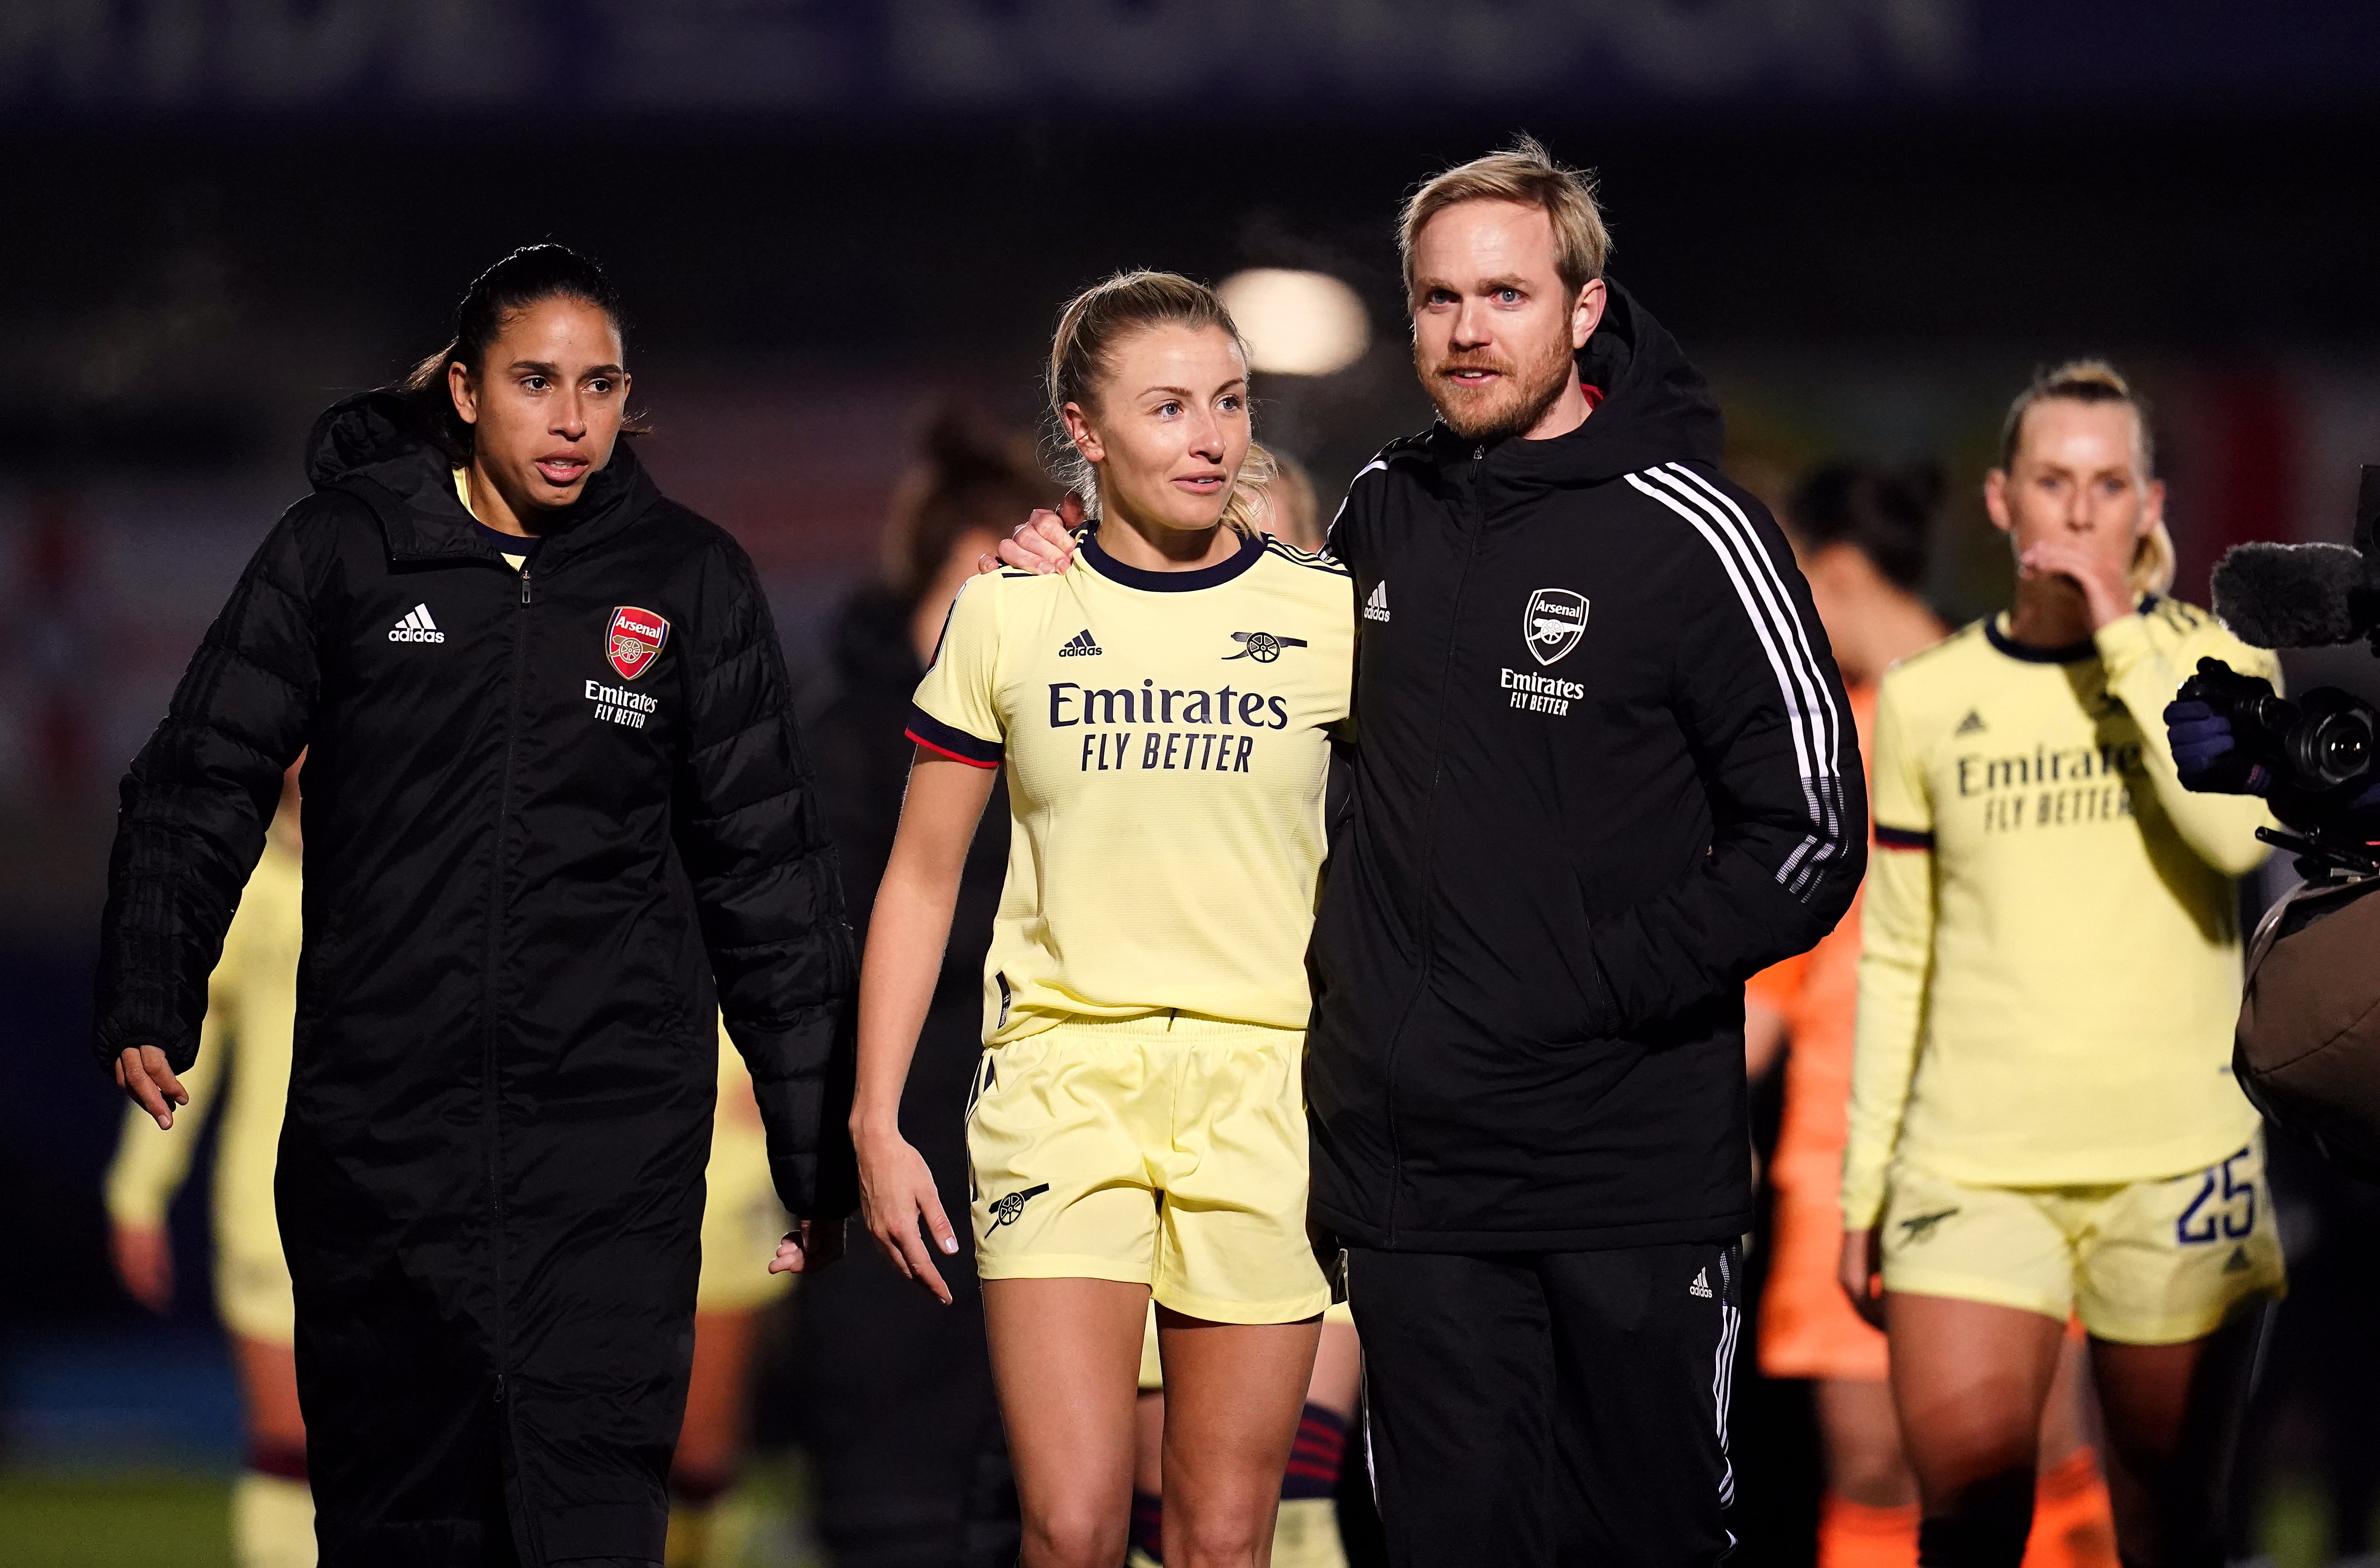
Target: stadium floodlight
[1297,323]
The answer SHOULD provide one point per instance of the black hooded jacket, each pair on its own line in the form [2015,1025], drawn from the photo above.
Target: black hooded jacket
[542,810]
[1604,771]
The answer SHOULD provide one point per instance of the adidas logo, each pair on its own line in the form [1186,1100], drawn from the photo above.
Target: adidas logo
[417,627]
[1080,646]
[2237,1262]
[1701,1287]
[1376,608]
[1972,725]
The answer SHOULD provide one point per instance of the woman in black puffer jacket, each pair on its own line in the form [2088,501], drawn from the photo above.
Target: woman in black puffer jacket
[556,811]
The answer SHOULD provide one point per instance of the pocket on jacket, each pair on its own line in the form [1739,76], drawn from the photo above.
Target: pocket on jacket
[1522,969]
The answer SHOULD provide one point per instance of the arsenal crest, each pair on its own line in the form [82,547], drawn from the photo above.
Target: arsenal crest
[1553,623]
[633,640]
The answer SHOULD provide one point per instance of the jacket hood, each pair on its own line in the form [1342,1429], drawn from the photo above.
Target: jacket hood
[1655,408]
[370,446]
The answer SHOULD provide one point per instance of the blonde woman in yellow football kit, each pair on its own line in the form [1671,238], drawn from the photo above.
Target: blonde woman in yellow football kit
[2042,1121]
[1138,1126]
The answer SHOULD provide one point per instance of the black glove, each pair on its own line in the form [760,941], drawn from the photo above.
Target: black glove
[2206,754]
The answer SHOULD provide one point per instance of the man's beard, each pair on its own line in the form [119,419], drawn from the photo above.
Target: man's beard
[1510,406]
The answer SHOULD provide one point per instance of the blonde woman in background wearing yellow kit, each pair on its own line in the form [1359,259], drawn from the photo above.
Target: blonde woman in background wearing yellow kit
[2043,1122]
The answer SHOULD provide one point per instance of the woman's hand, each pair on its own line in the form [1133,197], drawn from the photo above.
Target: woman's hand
[808,1248]
[1044,542]
[1859,1275]
[141,1073]
[896,1189]
[2107,596]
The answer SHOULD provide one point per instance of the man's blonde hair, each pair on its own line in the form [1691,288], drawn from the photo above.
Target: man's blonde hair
[1524,173]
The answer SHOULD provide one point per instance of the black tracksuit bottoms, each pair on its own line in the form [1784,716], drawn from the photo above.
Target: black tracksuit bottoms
[1534,1409]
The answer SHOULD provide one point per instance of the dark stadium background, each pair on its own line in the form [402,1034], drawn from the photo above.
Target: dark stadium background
[1868,219]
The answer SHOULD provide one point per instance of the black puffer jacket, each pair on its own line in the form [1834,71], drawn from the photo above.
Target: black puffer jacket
[542,810]
[1604,771]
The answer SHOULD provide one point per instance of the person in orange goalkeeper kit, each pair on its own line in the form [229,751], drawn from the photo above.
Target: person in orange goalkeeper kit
[1861,532]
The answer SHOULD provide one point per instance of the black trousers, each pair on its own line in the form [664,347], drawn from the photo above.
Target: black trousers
[1535,1409]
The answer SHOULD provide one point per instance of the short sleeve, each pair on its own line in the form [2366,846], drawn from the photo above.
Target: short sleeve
[1904,804]
[955,712]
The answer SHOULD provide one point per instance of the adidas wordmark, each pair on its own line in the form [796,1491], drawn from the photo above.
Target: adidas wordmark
[417,627]
[1080,646]
[1376,608]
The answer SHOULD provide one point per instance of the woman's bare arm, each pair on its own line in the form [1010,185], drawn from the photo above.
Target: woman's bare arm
[906,934]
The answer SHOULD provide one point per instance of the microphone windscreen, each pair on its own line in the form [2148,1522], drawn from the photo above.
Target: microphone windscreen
[2289,595]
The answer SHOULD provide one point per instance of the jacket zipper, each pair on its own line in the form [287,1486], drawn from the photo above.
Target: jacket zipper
[488,1094]
[1429,840]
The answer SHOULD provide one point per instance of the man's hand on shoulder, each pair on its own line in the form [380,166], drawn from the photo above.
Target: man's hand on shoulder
[1043,542]
[141,1074]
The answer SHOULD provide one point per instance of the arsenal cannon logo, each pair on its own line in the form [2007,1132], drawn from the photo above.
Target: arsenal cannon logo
[1553,623]
[633,640]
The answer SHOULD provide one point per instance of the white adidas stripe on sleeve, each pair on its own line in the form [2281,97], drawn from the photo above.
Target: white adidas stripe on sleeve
[1811,719]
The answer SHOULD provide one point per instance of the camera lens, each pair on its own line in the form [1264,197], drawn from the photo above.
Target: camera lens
[2333,750]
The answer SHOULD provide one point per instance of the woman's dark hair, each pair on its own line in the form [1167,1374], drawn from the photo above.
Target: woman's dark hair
[1886,514]
[531,275]
[969,477]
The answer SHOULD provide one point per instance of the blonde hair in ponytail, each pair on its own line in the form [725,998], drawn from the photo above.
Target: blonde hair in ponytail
[2096,381]
[1082,354]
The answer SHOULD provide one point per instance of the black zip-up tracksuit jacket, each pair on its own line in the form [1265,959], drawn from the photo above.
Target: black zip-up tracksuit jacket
[1603,772]
[542,810]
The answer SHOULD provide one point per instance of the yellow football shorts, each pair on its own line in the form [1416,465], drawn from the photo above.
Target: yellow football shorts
[2150,1262]
[1168,1152]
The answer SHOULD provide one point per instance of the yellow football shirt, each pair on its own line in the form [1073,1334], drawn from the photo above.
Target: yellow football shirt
[1166,739]
[2050,969]
[251,1014]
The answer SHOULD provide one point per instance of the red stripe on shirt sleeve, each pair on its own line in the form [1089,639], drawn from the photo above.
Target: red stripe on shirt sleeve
[953,742]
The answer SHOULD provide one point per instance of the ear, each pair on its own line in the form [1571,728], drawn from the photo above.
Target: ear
[1996,501]
[1078,431]
[2151,508]
[1586,313]
[460,387]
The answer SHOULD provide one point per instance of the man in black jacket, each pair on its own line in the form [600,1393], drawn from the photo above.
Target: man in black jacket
[557,819]
[1603,772]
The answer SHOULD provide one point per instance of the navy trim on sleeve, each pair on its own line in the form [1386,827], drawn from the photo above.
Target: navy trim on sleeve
[1902,838]
[955,744]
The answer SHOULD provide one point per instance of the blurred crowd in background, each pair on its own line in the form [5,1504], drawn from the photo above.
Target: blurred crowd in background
[842,234]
